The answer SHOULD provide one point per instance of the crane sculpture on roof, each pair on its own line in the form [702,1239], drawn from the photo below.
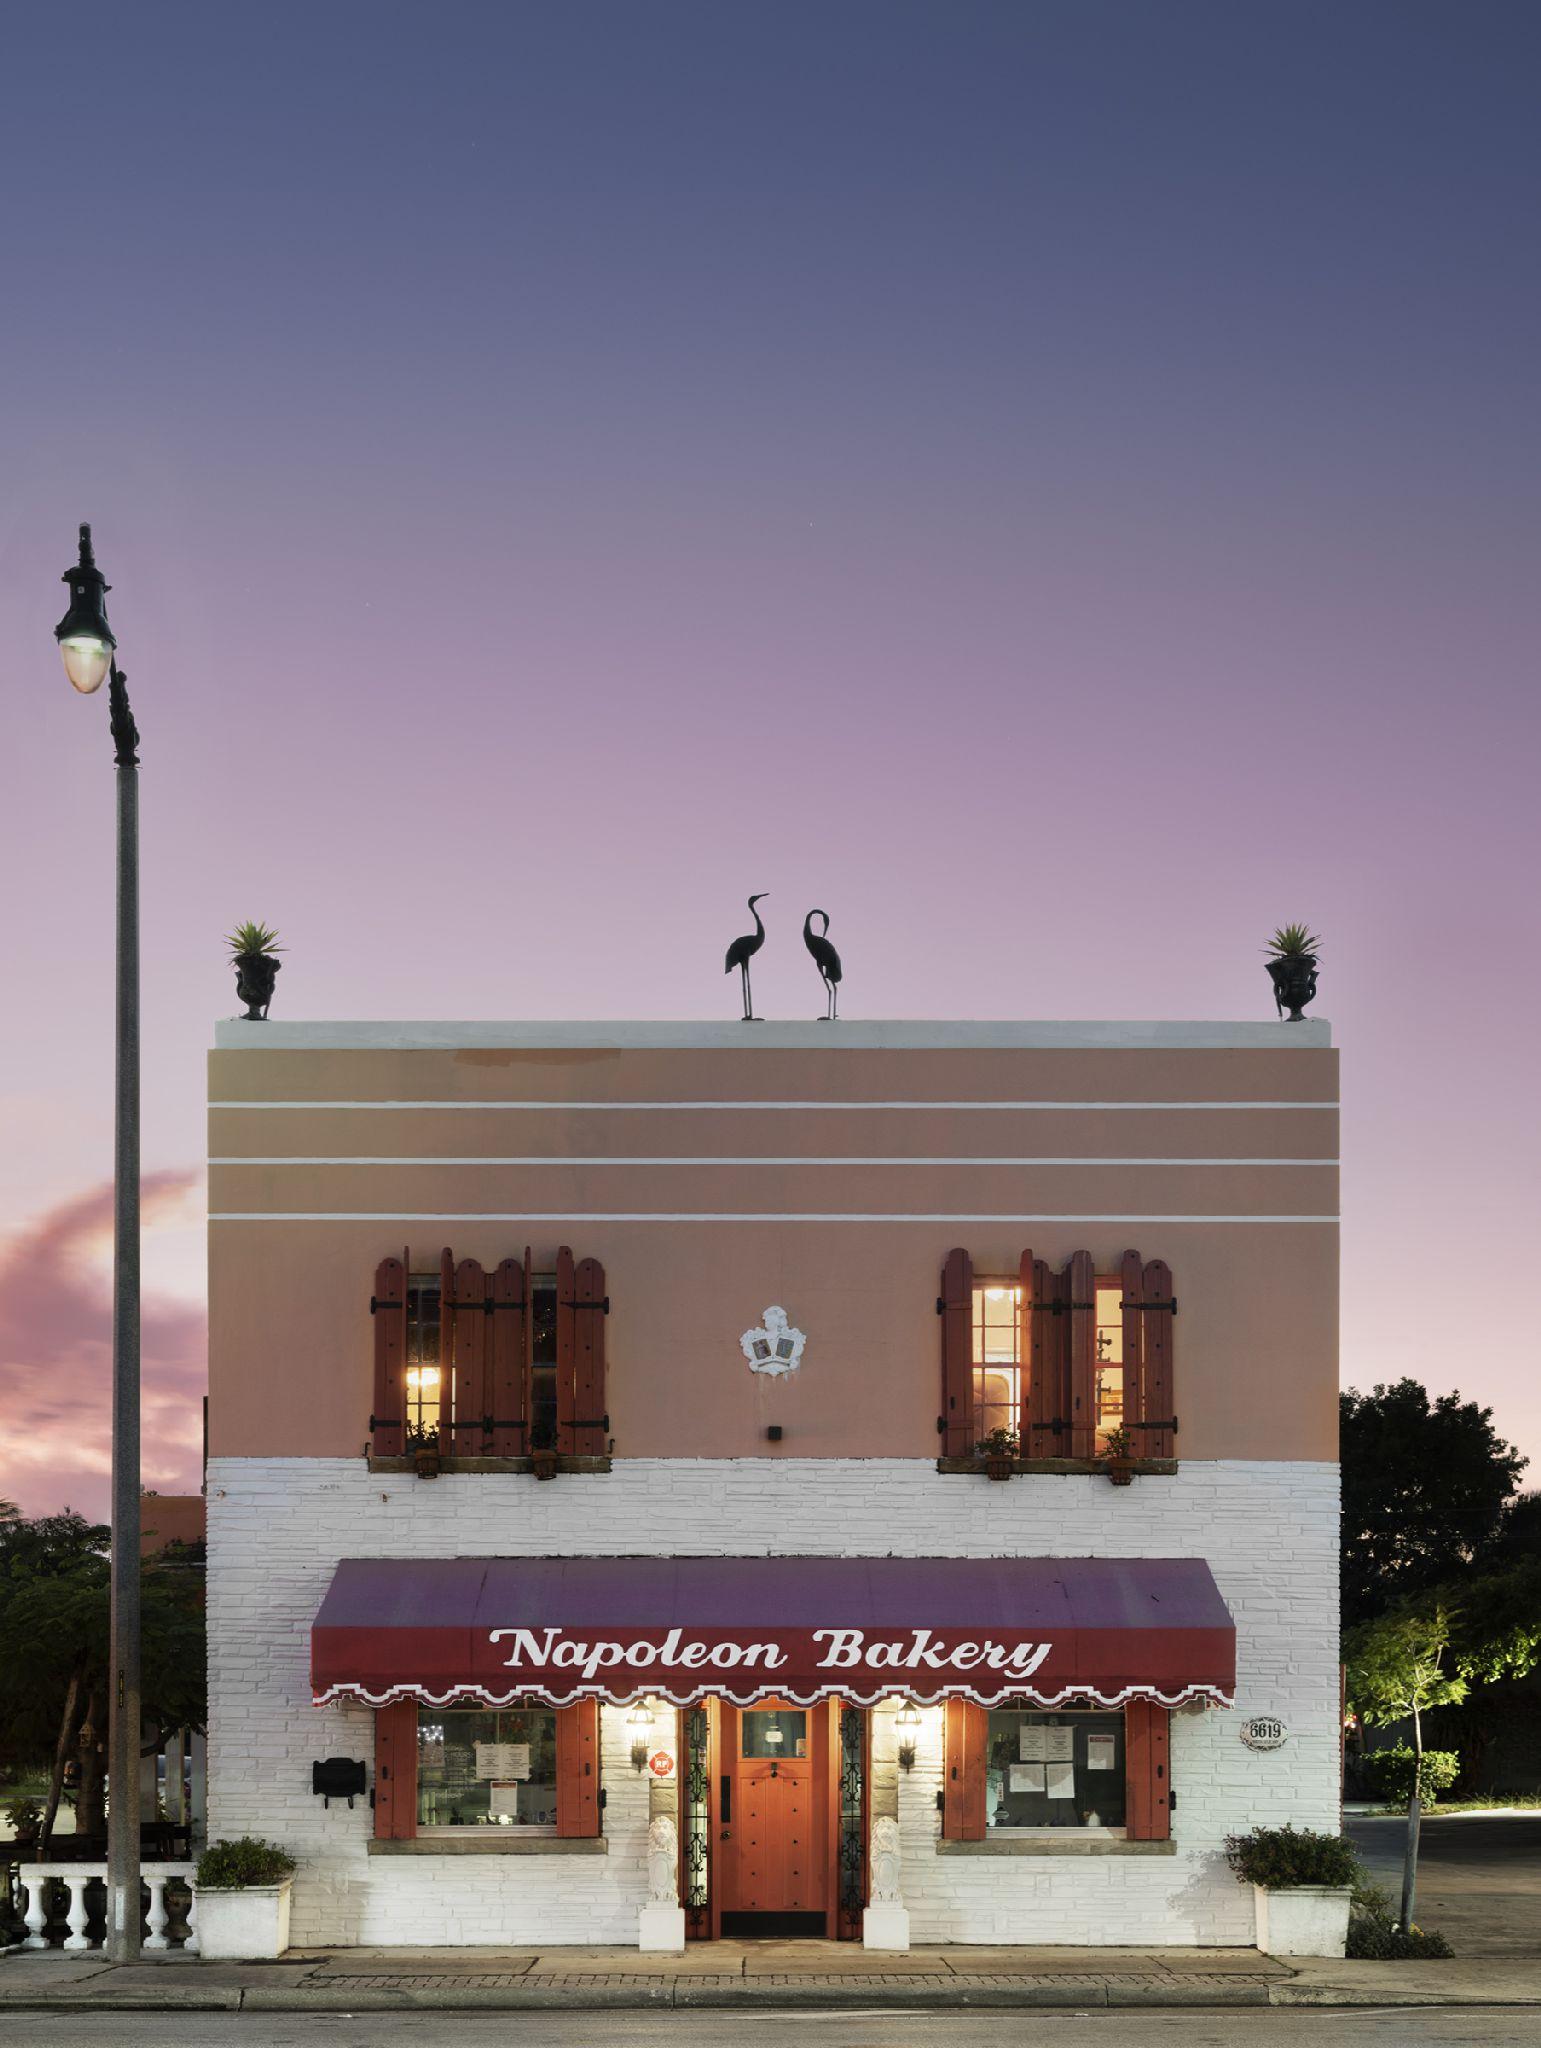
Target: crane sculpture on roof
[743,950]
[825,958]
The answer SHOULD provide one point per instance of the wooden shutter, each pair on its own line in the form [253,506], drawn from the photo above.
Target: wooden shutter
[446,1350]
[1081,1282]
[957,1311]
[577,1769]
[1044,1404]
[1160,1416]
[1027,1296]
[506,1354]
[566,1346]
[1147,1772]
[466,1365]
[966,1739]
[396,1771]
[591,1423]
[386,1421]
[1132,1276]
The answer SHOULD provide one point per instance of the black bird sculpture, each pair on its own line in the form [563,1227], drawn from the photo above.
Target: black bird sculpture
[743,950]
[825,958]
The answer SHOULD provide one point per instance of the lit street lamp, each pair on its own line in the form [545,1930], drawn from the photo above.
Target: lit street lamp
[87,643]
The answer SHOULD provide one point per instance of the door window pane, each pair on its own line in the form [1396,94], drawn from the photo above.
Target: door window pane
[486,1768]
[1055,1770]
[767,1732]
[1109,1359]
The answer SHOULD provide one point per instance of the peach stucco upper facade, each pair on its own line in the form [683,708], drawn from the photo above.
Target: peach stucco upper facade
[826,1168]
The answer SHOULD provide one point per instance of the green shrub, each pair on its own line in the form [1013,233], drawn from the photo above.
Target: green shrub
[1389,1773]
[231,1866]
[1280,1858]
[1375,1937]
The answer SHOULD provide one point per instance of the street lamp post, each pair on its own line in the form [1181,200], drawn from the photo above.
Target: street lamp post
[86,641]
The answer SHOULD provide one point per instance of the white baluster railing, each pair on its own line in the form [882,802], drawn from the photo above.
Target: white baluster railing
[75,1877]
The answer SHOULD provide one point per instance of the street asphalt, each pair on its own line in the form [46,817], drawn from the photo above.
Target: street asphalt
[1366,2028]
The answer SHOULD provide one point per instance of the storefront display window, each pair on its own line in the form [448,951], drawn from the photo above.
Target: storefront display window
[1047,1770]
[486,1768]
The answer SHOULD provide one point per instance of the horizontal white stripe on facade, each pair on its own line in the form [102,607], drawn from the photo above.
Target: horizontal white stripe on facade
[712,1216]
[909,1103]
[715,1159]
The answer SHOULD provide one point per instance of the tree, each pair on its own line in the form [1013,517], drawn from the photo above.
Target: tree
[1425,1487]
[54,1606]
[1399,1667]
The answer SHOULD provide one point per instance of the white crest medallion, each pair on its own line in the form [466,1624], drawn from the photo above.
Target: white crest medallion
[775,1347]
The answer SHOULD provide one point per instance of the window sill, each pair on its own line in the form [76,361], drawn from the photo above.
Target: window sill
[493,1845]
[1141,1468]
[1053,1845]
[449,1466]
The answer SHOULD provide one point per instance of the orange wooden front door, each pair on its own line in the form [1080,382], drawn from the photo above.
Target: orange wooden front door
[774,1837]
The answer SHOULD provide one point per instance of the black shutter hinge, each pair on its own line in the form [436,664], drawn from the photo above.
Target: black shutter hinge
[602,1306]
[603,1796]
[941,1425]
[941,1306]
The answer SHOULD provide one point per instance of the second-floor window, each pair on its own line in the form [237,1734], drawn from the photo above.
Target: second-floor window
[997,1356]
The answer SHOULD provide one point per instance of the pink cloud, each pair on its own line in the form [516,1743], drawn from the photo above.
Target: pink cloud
[56,1357]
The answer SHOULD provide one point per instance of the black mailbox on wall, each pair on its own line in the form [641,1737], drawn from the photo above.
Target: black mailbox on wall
[338,1777]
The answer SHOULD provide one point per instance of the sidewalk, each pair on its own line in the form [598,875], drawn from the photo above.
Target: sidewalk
[744,1974]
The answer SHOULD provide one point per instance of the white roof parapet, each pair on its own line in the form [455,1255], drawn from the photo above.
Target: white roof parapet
[879,1035]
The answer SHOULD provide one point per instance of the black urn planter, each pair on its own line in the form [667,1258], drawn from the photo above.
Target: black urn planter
[1294,984]
[255,974]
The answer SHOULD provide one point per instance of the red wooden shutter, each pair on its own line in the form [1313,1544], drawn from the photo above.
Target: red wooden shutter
[566,1346]
[1081,1281]
[591,1423]
[577,1769]
[1044,1403]
[957,1307]
[967,1737]
[1160,1415]
[1027,1339]
[390,1312]
[446,1350]
[467,1363]
[396,1771]
[1132,1275]
[1147,1772]
[506,1347]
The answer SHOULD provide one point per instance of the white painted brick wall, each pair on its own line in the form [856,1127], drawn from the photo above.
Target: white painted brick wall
[277,1528]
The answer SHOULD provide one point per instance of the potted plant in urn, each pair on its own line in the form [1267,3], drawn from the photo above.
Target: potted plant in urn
[999,1451]
[1292,956]
[242,1889]
[423,1450]
[26,1819]
[254,956]
[1118,1455]
[1301,1883]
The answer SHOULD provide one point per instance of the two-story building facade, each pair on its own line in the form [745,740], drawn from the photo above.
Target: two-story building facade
[595,1466]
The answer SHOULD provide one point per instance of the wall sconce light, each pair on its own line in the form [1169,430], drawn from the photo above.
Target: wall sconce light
[907,1721]
[640,1722]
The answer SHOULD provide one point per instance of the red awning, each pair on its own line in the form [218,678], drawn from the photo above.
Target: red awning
[1047,1629]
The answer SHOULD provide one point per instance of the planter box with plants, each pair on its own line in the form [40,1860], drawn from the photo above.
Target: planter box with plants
[998,1452]
[1118,1456]
[242,1889]
[1302,1884]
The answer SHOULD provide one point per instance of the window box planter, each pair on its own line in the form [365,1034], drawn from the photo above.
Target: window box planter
[544,1464]
[244,1924]
[1304,1920]
[999,1452]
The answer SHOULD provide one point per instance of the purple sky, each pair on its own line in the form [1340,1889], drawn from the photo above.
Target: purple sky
[1054,484]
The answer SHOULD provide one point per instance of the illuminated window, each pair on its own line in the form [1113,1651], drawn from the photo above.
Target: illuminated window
[424,1368]
[997,1357]
[1108,1358]
[1045,1770]
[486,1768]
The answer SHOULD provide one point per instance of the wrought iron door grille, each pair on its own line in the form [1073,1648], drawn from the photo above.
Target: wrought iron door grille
[853,1820]
[698,1824]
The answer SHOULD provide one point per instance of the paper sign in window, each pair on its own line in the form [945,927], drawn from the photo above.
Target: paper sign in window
[1027,1777]
[1061,1780]
[503,1760]
[1101,1752]
[1031,1746]
[503,1800]
[1059,1745]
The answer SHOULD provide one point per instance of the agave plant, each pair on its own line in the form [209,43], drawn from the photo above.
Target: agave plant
[253,939]
[1294,942]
